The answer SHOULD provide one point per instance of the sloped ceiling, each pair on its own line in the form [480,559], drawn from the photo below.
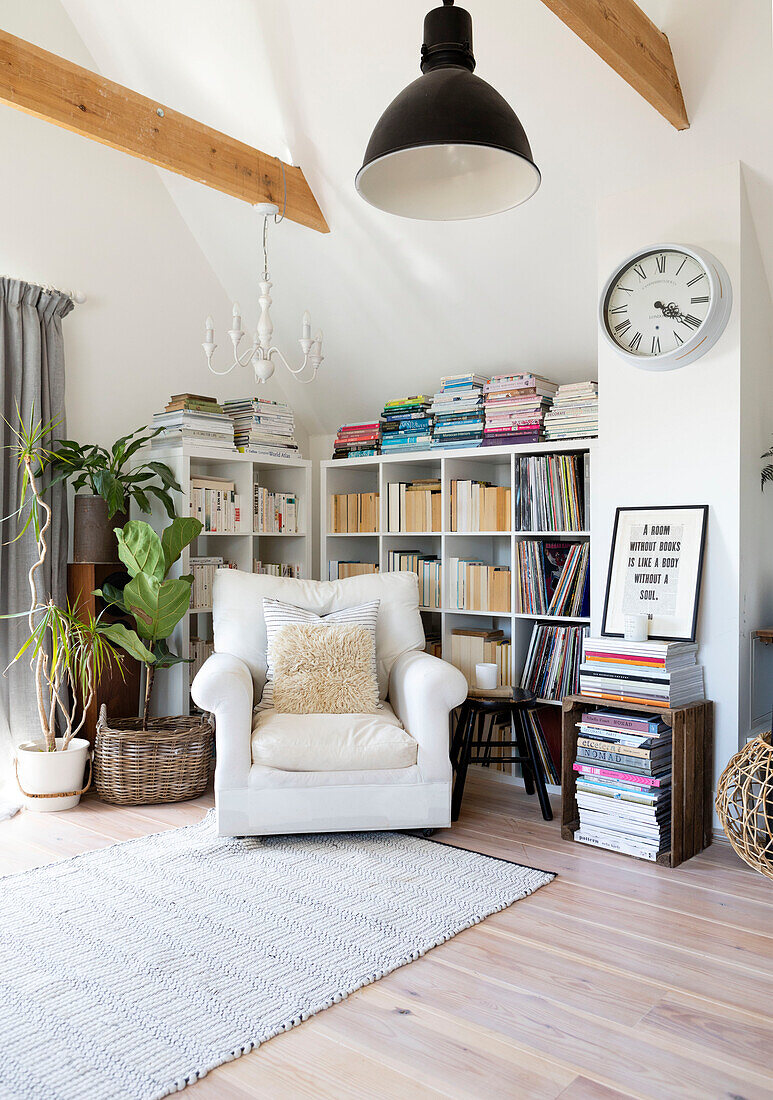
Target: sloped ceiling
[403,302]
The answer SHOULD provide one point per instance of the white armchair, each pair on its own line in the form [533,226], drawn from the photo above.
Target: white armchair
[419,690]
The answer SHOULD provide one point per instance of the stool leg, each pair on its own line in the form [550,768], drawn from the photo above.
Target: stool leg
[486,756]
[539,779]
[518,726]
[459,734]
[461,766]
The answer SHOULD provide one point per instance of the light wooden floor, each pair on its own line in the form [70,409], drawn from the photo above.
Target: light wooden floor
[618,979]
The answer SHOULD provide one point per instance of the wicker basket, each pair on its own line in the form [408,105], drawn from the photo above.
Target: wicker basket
[744,803]
[168,762]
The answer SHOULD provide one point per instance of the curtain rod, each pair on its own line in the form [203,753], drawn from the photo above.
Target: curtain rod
[77,295]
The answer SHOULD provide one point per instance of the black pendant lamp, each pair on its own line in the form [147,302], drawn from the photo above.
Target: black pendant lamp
[449,146]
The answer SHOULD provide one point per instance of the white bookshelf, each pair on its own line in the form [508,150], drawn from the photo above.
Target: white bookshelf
[171,693]
[494,464]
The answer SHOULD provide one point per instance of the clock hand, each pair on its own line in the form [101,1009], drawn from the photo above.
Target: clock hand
[671,310]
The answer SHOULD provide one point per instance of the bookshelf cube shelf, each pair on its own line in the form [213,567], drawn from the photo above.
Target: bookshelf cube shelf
[692,769]
[497,465]
[171,693]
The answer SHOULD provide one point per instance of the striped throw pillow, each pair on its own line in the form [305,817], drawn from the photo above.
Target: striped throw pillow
[278,614]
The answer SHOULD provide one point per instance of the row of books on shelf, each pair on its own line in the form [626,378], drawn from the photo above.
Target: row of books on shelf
[340,570]
[414,506]
[551,492]
[199,649]
[353,513]
[552,664]
[475,586]
[274,513]
[203,572]
[216,504]
[428,569]
[623,782]
[479,506]
[293,570]
[652,672]
[551,578]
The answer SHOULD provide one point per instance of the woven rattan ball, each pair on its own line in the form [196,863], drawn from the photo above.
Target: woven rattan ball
[745,803]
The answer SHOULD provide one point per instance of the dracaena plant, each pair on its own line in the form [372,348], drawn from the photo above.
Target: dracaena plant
[68,648]
[107,473]
[156,601]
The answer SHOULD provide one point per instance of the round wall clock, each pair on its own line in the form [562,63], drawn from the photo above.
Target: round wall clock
[666,306]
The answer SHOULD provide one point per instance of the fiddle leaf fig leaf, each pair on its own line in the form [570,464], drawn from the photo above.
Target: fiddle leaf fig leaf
[157,605]
[179,534]
[140,549]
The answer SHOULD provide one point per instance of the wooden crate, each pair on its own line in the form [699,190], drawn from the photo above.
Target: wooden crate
[692,755]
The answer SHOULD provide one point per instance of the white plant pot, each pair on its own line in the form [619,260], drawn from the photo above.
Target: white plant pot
[50,773]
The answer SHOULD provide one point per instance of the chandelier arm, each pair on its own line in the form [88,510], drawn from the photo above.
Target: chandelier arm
[275,351]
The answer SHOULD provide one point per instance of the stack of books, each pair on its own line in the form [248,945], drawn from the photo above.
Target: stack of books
[406,424]
[479,506]
[477,646]
[353,513]
[427,568]
[263,427]
[360,440]
[623,770]
[291,570]
[664,674]
[551,668]
[413,506]
[339,570]
[575,412]
[515,408]
[433,641]
[274,513]
[192,418]
[458,411]
[552,578]
[216,504]
[550,492]
[475,586]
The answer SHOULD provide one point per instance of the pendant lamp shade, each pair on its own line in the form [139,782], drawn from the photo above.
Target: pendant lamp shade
[449,146]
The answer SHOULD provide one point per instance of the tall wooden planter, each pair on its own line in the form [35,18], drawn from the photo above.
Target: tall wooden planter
[93,538]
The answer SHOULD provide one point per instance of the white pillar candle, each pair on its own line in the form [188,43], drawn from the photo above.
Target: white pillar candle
[486,675]
[306,326]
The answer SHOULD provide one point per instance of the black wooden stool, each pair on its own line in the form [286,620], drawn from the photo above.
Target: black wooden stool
[466,750]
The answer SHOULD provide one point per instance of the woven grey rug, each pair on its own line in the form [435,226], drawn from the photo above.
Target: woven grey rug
[128,973]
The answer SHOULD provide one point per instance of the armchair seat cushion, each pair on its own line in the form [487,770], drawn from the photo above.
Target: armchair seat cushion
[332,742]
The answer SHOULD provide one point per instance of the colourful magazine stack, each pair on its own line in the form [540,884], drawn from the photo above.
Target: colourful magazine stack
[361,440]
[458,410]
[515,408]
[664,674]
[406,424]
[623,768]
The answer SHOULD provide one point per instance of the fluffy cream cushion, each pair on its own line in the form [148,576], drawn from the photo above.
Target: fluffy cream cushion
[332,742]
[324,669]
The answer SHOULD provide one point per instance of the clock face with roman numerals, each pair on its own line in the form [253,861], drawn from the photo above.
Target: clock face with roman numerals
[666,306]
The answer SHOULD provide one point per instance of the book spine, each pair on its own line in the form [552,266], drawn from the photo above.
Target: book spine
[623,777]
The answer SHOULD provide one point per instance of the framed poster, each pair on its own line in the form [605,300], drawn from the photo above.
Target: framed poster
[655,567]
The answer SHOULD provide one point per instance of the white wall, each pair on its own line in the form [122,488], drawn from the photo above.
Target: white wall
[675,437]
[80,215]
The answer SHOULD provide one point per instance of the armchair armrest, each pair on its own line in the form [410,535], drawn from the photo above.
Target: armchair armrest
[223,686]
[423,690]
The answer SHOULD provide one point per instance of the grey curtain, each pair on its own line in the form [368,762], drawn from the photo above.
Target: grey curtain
[32,377]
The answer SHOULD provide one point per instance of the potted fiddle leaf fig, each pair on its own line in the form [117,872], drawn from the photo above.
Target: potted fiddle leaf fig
[110,484]
[156,601]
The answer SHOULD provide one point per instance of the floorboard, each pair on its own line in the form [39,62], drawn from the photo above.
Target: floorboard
[620,979]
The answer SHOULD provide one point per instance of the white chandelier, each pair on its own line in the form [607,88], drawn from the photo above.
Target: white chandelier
[262,352]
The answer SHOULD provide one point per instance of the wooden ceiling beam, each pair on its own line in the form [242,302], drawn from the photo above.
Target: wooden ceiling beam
[622,35]
[47,86]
